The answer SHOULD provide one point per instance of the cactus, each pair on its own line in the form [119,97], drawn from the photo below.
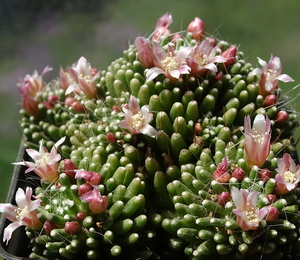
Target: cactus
[155,164]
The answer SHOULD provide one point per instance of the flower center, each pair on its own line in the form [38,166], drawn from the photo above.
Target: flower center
[86,78]
[260,138]
[170,63]
[289,177]
[201,59]
[138,121]
[21,213]
[271,74]
[43,160]
[251,215]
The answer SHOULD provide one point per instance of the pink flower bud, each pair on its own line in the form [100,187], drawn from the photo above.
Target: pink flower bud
[238,173]
[197,28]
[230,55]
[72,227]
[69,101]
[52,100]
[223,198]
[272,214]
[221,173]
[281,116]
[84,188]
[77,106]
[92,178]
[271,198]
[270,100]
[265,174]
[97,202]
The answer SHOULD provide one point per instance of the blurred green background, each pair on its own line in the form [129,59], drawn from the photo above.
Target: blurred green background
[36,33]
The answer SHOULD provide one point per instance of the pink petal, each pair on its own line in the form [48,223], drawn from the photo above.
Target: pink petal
[153,73]
[284,78]
[9,230]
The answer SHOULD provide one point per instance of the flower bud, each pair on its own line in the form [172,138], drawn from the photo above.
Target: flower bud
[52,100]
[197,28]
[281,116]
[265,174]
[230,55]
[69,169]
[223,198]
[271,198]
[77,106]
[221,173]
[72,227]
[49,226]
[84,188]
[270,100]
[111,138]
[80,216]
[92,178]
[238,173]
[272,214]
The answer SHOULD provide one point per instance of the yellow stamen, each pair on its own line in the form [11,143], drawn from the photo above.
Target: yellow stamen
[251,215]
[271,74]
[289,177]
[170,63]
[20,213]
[201,59]
[138,121]
[43,160]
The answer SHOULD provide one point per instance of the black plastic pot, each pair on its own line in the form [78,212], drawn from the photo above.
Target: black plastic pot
[19,245]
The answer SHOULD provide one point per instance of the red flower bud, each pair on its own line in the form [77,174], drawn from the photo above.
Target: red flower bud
[69,169]
[265,174]
[281,116]
[238,173]
[49,226]
[80,216]
[77,106]
[111,138]
[270,100]
[69,101]
[72,227]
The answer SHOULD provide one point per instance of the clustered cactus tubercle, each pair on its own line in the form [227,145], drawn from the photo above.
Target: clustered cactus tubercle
[180,149]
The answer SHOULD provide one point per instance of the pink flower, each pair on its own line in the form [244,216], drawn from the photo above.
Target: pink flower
[144,51]
[257,140]
[171,64]
[29,88]
[162,26]
[137,119]
[45,164]
[270,74]
[21,215]
[97,202]
[67,77]
[288,174]
[197,28]
[248,215]
[203,58]
[85,79]
[92,178]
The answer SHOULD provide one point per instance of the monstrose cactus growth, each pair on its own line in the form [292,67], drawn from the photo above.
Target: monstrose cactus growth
[180,149]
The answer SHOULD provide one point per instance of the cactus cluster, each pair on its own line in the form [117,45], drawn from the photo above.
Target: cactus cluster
[154,166]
